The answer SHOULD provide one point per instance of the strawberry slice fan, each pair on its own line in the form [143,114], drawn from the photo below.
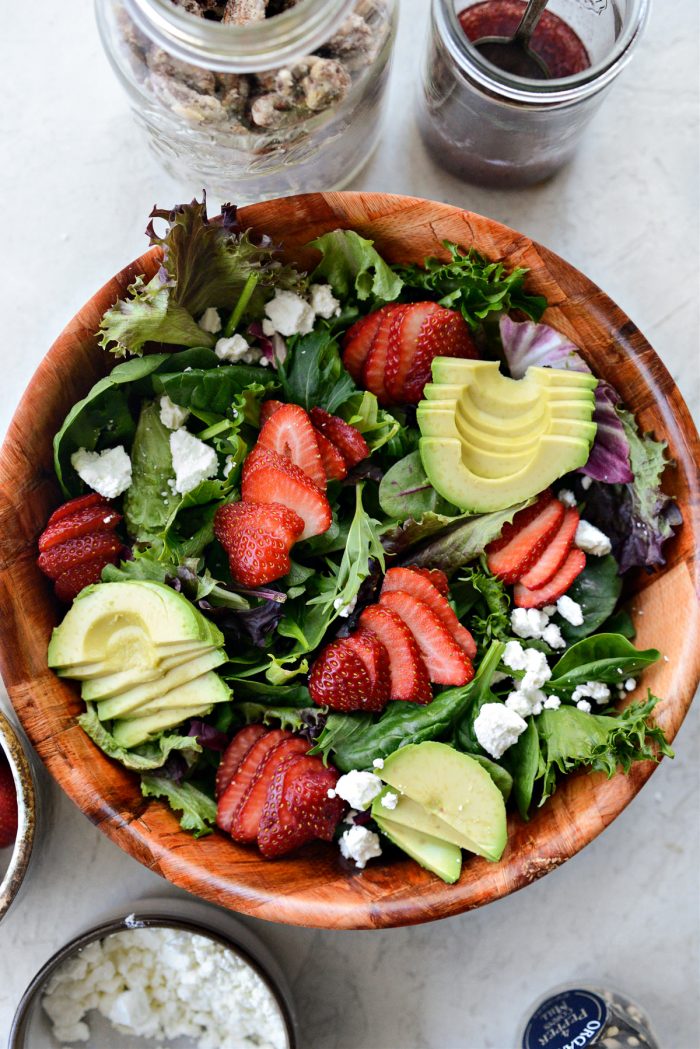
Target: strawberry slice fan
[536,552]
[79,540]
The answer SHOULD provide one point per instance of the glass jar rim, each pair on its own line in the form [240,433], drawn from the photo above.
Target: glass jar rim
[547,93]
[251,48]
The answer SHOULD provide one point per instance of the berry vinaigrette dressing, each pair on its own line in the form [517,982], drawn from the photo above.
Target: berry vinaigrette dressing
[553,40]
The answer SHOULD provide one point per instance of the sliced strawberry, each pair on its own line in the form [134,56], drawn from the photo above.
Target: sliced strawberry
[297,808]
[8,804]
[333,462]
[289,432]
[413,581]
[100,518]
[243,776]
[369,649]
[257,538]
[70,583]
[435,576]
[445,661]
[347,439]
[554,554]
[443,333]
[246,820]
[268,409]
[271,478]
[549,593]
[339,680]
[521,519]
[408,676]
[404,335]
[234,754]
[98,546]
[74,506]
[374,370]
[359,338]
[527,544]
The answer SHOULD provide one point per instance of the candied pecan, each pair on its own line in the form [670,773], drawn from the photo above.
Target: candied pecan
[242,12]
[327,82]
[162,64]
[233,90]
[186,103]
[354,35]
[275,111]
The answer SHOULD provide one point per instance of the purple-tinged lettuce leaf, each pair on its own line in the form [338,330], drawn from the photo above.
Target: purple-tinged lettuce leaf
[207,736]
[526,345]
[448,543]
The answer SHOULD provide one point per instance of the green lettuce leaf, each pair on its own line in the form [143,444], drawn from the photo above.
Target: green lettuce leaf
[213,390]
[405,492]
[462,541]
[151,755]
[190,527]
[293,719]
[471,284]
[603,657]
[524,759]
[597,590]
[377,426]
[312,373]
[198,810]
[353,267]
[150,500]
[149,314]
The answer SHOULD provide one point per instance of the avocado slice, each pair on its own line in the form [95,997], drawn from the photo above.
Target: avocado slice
[101,669]
[132,732]
[410,813]
[208,685]
[453,787]
[124,622]
[130,700]
[123,682]
[437,856]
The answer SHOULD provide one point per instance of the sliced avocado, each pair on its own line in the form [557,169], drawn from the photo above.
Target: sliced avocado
[101,669]
[129,701]
[134,731]
[409,813]
[453,787]
[122,682]
[124,621]
[208,687]
[437,856]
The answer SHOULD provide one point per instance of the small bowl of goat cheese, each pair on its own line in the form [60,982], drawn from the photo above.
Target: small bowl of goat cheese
[155,977]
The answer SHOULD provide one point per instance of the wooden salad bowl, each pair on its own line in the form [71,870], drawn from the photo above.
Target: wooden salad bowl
[312,887]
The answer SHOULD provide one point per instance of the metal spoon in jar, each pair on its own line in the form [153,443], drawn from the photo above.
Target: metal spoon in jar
[513,54]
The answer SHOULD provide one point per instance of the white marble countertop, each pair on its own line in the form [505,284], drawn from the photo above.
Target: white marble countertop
[77,186]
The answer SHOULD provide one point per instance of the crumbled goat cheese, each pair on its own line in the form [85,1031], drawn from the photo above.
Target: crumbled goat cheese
[570,610]
[172,415]
[551,635]
[360,845]
[323,302]
[350,818]
[210,320]
[528,622]
[165,984]
[567,497]
[526,703]
[268,327]
[595,690]
[237,350]
[193,461]
[584,705]
[378,763]
[390,800]
[499,676]
[552,703]
[359,789]
[514,656]
[630,684]
[586,482]
[342,609]
[591,540]
[549,610]
[497,728]
[290,314]
[108,473]
[537,671]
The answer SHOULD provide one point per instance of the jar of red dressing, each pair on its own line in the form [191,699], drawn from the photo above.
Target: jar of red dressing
[498,128]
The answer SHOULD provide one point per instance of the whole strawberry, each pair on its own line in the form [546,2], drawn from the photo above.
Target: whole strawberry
[8,804]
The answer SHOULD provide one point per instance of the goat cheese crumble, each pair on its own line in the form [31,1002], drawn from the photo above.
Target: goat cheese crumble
[359,789]
[210,320]
[584,705]
[497,728]
[570,610]
[165,984]
[528,622]
[172,415]
[360,845]
[591,540]
[289,314]
[108,473]
[595,690]
[193,461]
[323,302]
[237,350]
[390,800]
[567,497]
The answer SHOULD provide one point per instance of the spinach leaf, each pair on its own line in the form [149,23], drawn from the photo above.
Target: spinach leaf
[212,390]
[265,695]
[312,373]
[190,527]
[471,284]
[355,740]
[525,764]
[198,810]
[500,776]
[150,499]
[620,623]
[602,657]
[462,542]
[597,590]
[405,491]
[354,268]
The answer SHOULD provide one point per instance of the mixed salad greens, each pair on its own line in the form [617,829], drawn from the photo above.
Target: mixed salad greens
[207,343]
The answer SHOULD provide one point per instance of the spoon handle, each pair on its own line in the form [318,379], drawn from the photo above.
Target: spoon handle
[528,22]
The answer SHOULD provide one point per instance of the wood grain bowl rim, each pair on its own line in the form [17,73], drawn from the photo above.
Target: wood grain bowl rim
[311,889]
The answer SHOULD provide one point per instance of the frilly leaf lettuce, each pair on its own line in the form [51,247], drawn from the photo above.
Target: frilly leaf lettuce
[354,268]
[405,492]
[147,756]
[471,284]
[149,314]
[150,499]
[198,810]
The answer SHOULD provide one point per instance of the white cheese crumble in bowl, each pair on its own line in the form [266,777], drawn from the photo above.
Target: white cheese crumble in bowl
[154,977]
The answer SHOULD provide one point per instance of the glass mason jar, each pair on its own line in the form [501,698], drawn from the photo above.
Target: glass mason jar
[285,104]
[492,127]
